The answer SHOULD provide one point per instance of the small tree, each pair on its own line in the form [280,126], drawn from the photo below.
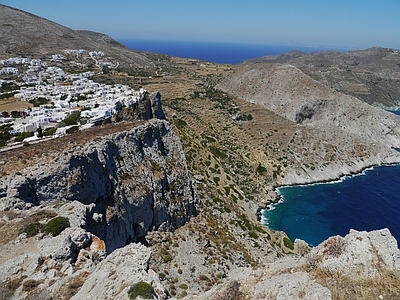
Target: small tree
[40,132]
[105,70]
[49,131]
[72,129]
[72,119]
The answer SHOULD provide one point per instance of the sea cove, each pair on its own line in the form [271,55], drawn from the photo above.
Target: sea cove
[367,201]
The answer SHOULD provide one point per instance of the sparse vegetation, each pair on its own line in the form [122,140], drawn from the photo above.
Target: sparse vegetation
[335,246]
[29,285]
[72,129]
[55,226]
[32,229]
[141,289]
[342,287]
[231,292]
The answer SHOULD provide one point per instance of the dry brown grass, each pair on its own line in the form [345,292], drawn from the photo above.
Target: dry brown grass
[231,292]
[335,246]
[72,287]
[386,284]
[10,104]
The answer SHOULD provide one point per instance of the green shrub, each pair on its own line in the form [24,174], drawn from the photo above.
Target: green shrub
[49,131]
[32,229]
[23,135]
[38,101]
[253,235]
[142,289]
[5,134]
[179,123]
[56,226]
[217,152]
[167,258]
[72,119]
[72,129]
[260,169]
[288,243]
[183,286]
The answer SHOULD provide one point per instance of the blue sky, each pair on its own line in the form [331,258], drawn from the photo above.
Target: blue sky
[340,23]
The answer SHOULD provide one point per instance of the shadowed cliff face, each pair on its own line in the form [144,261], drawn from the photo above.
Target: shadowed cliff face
[129,183]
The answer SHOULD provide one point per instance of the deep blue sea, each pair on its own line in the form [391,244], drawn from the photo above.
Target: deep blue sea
[368,201]
[224,53]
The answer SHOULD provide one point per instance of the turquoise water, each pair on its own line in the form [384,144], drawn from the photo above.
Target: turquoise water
[367,201]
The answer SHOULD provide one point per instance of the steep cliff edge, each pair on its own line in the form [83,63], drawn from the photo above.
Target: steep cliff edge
[133,181]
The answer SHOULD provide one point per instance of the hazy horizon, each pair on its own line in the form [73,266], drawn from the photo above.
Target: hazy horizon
[331,24]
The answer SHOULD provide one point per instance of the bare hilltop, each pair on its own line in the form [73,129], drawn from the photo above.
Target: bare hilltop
[24,34]
[162,200]
[372,75]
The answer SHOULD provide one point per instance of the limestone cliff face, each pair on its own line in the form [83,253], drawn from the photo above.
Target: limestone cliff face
[126,184]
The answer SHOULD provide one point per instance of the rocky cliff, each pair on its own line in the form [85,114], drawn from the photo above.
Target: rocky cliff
[89,215]
[113,189]
[126,184]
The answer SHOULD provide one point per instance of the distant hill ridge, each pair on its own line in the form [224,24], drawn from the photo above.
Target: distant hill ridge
[25,34]
[372,75]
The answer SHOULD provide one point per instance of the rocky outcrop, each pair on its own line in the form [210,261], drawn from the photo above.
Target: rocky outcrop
[359,257]
[359,252]
[113,277]
[117,187]
[149,107]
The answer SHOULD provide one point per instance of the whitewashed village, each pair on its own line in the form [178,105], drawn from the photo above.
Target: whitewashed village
[58,95]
